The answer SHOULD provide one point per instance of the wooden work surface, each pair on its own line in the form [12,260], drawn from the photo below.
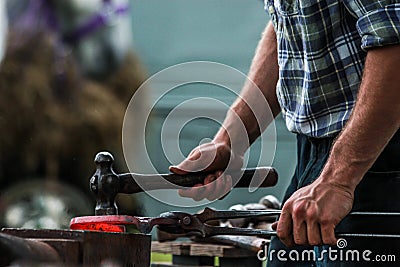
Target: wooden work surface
[188,248]
[86,248]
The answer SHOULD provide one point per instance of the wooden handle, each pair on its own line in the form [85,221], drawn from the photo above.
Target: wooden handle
[256,177]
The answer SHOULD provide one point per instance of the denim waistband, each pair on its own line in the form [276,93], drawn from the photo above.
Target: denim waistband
[388,160]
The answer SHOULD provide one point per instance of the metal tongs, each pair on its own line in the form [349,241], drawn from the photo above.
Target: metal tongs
[177,222]
[197,224]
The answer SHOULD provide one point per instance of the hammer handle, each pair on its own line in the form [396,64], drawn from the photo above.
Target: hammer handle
[261,177]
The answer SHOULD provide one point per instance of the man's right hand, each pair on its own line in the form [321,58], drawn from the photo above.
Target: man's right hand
[211,157]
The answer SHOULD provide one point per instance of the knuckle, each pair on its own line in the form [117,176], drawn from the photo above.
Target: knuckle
[194,154]
[325,221]
[298,212]
[182,193]
[288,204]
[282,236]
[285,210]
[198,197]
[210,198]
[209,179]
[228,182]
[311,213]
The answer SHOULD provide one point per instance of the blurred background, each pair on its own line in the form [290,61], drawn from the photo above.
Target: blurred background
[66,78]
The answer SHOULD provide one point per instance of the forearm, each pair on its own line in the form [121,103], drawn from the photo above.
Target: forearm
[375,119]
[251,109]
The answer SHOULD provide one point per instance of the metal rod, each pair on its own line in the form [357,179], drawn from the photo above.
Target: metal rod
[268,233]
[374,213]
[367,235]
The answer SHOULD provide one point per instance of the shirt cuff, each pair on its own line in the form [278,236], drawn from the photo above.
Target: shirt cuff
[380,27]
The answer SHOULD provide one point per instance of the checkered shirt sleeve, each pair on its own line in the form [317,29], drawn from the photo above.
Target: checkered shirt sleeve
[322,46]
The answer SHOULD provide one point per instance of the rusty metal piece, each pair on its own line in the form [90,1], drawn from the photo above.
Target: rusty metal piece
[106,184]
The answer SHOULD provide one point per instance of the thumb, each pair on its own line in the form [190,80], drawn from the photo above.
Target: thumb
[274,226]
[195,162]
[183,167]
[177,170]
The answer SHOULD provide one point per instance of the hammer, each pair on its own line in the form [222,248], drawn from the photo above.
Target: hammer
[106,184]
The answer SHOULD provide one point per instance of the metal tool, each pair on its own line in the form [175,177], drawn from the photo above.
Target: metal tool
[197,224]
[183,223]
[106,184]
[116,223]
[173,222]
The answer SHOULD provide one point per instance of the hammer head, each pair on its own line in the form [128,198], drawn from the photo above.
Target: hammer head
[105,184]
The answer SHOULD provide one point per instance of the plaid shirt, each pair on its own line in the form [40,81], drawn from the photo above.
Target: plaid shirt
[322,46]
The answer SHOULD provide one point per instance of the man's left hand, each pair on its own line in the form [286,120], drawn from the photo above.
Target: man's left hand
[310,215]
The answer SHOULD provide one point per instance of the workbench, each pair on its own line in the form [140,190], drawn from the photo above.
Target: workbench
[188,253]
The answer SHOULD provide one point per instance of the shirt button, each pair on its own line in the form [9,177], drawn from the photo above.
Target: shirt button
[271,9]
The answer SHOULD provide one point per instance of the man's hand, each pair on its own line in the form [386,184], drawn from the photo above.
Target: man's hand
[210,157]
[310,215]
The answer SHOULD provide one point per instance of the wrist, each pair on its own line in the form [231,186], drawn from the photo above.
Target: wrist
[236,143]
[340,179]
[344,169]
[222,137]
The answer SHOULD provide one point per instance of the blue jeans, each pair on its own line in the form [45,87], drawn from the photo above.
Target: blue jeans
[379,190]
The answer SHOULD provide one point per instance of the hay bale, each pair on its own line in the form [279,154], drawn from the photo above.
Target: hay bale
[52,119]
